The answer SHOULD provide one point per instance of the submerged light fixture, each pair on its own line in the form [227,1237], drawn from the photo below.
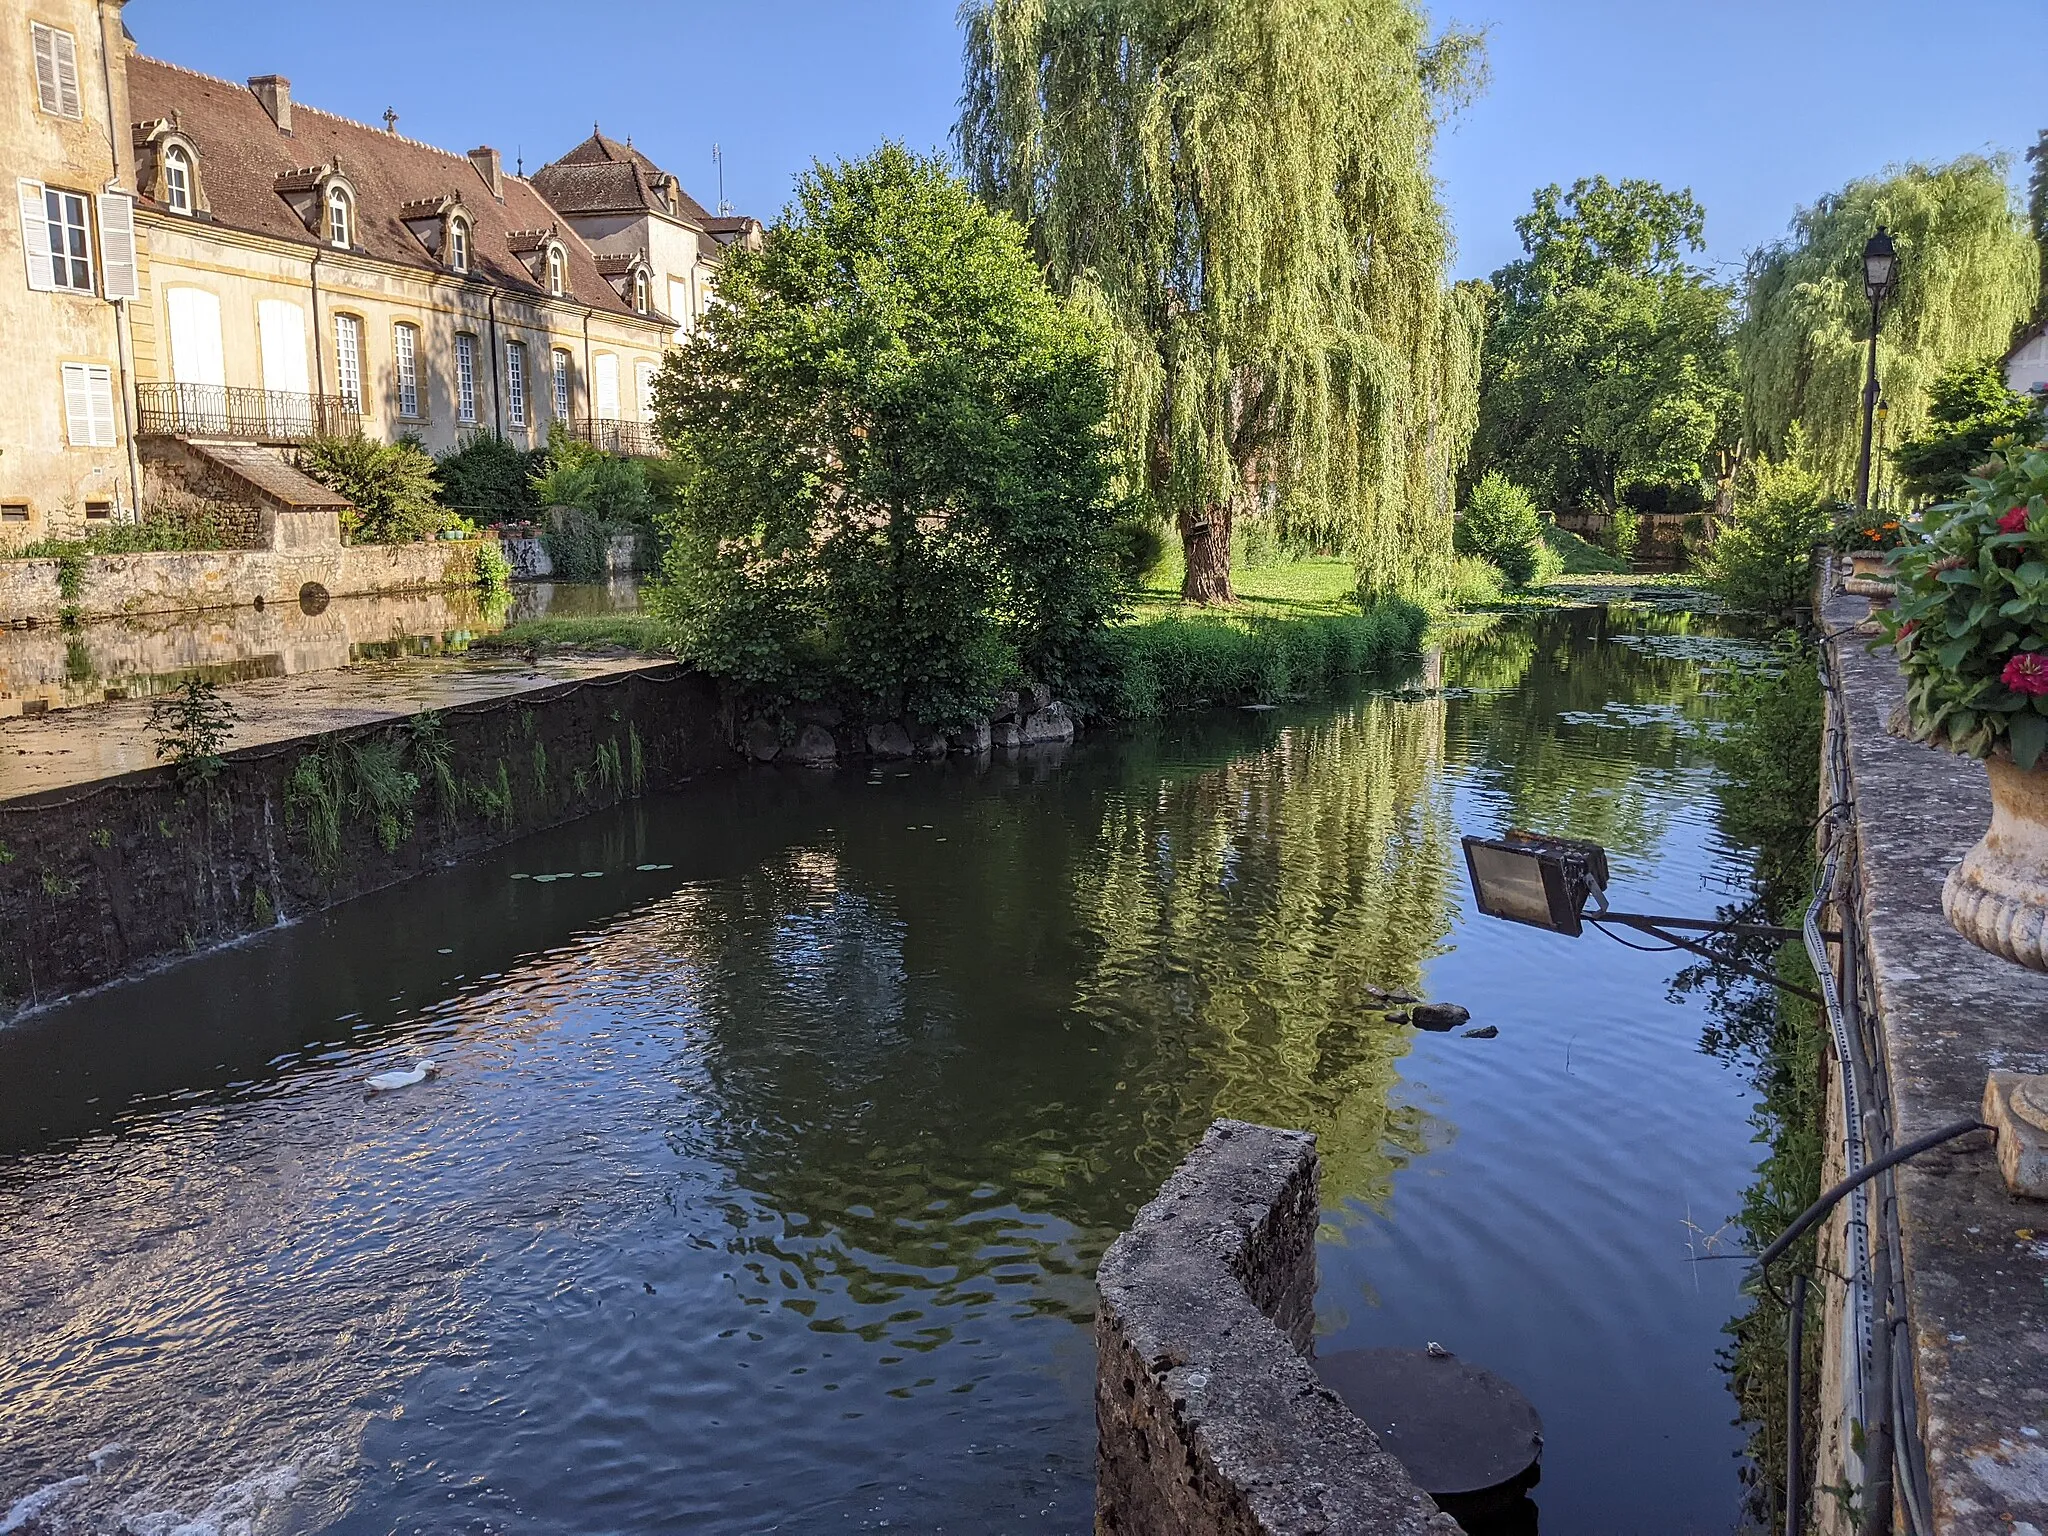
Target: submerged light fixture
[1548,882]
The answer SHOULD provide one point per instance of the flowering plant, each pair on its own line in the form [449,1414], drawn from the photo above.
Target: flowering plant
[1868,534]
[1970,621]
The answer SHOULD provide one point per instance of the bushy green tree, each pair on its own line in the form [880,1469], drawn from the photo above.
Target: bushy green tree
[901,488]
[1969,408]
[1500,524]
[1608,360]
[488,479]
[1241,190]
[593,497]
[1968,274]
[392,487]
[1763,558]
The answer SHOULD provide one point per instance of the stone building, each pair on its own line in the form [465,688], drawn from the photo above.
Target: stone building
[68,270]
[306,272]
[210,265]
[658,241]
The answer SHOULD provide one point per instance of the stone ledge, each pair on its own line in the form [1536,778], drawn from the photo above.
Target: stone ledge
[1210,1420]
[1976,1275]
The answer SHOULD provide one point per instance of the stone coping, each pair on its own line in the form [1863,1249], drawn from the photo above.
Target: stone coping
[1976,1272]
[1210,1419]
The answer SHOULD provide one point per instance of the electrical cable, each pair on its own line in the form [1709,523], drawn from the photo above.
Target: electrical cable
[1832,1197]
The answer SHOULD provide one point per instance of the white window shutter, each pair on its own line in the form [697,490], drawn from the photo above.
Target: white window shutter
[117,246]
[35,237]
[77,406]
[45,43]
[67,75]
[100,393]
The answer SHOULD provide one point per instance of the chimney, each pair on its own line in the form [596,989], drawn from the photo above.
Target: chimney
[488,166]
[275,92]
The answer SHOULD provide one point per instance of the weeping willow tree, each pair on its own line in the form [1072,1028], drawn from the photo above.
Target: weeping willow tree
[1240,190]
[1969,273]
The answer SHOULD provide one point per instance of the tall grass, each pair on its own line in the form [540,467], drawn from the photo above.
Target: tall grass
[1187,660]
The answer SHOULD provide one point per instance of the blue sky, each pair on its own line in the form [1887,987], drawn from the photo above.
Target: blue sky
[1757,105]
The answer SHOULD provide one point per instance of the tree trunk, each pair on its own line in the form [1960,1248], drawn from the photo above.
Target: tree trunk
[1205,541]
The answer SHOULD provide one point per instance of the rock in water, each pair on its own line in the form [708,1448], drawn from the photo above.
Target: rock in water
[386,1082]
[1483,1032]
[1440,1016]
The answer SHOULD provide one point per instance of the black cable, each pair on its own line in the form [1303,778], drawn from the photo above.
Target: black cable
[1644,949]
[1869,1171]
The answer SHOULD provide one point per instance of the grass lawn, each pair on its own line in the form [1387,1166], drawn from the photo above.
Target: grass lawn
[1289,590]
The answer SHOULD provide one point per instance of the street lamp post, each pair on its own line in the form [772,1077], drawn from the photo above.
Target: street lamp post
[1880,264]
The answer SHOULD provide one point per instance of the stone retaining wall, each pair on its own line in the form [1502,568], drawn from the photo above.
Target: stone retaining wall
[189,581]
[103,881]
[1210,1420]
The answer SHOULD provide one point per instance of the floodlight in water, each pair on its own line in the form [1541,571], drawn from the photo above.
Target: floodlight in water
[1544,882]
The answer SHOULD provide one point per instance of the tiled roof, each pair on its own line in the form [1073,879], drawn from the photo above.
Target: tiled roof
[601,175]
[245,161]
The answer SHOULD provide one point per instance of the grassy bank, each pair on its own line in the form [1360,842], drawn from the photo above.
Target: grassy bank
[1169,659]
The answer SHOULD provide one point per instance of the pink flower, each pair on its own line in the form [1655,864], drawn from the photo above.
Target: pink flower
[2026,672]
[2014,521]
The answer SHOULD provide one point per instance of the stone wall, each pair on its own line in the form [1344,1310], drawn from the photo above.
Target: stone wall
[1210,1420]
[100,882]
[192,580]
[1940,1014]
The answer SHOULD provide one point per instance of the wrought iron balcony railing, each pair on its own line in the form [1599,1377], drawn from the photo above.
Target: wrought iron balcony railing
[247,415]
[633,439]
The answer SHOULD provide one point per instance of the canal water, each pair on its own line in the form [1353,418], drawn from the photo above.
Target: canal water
[781,1122]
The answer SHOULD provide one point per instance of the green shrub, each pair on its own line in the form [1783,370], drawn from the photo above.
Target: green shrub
[1137,546]
[592,497]
[1969,407]
[1762,558]
[493,570]
[489,480]
[1185,660]
[1624,533]
[392,487]
[1679,498]
[157,532]
[1471,582]
[1500,525]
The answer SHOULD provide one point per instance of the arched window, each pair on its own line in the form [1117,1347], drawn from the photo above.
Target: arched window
[639,293]
[340,218]
[177,180]
[555,270]
[458,245]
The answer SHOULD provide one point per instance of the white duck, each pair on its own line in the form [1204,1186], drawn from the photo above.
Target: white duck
[386,1082]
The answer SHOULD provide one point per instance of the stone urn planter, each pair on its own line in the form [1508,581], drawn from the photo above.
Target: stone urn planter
[1870,575]
[1997,898]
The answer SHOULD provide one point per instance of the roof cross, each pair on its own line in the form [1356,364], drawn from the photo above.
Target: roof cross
[390,121]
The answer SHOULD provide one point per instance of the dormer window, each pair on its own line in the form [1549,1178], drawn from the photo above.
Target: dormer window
[458,245]
[557,270]
[177,180]
[340,218]
[639,293]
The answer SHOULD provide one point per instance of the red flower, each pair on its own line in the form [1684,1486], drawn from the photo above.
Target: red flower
[1908,627]
[2014,521]
[2026,672]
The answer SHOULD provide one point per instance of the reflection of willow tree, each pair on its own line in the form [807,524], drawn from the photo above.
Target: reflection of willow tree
[1550,693]
[940,1072]
[1245,912]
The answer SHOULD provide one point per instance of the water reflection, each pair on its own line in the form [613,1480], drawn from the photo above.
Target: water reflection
[776,1143]
[58,667]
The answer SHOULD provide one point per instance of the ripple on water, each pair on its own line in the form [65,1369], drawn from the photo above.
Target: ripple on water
[764,1191]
